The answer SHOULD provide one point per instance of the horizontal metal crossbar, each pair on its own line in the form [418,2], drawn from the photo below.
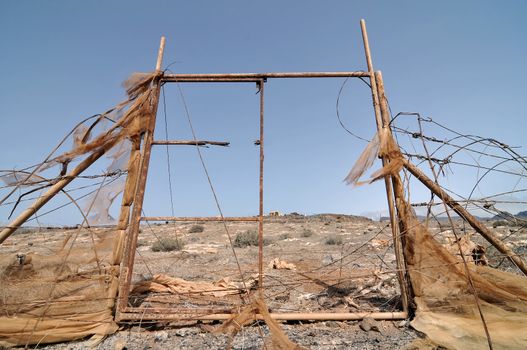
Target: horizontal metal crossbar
[256,77]
[179,314]
[191,143]
[199,218]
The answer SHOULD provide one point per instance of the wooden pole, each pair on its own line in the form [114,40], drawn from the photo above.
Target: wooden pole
[387,182]
[373,83]
[476,225]
[128,199]
[52,191]
[127,263]
[159,61]
[398,192]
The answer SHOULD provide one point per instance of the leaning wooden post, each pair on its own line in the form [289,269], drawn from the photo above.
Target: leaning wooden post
[128,198]
[398,192]
[476,225]
[127,263]
[53,190]
[387,182]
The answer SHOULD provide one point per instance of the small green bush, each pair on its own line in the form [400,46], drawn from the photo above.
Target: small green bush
[248,238]
[167,245]
[307,232]
[196,229]
[334,240]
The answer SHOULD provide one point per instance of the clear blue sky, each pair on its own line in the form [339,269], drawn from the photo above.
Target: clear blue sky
[461,63]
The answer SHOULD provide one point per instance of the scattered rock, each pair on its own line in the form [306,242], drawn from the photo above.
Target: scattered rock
[403,323]
[278,264]
[328,259]
[333,324]
[369,324]
[160,336]
[120,344]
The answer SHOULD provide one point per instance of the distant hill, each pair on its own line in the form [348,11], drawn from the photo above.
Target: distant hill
[505,215]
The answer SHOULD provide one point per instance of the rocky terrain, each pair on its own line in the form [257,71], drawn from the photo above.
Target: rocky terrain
[323,263]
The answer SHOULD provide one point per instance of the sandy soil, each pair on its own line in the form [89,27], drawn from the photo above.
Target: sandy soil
[335,263]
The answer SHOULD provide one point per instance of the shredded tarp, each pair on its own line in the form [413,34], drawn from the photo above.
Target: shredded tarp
[381,145]
[473,252]
[446,309]
[224,287]
[248,315]
[445,306]
[99,203]
[68,294]
[165,284]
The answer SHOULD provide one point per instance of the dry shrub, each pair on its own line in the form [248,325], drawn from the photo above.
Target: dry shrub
[248,238]
[334,240]
[307,232]
[167,245]
[196,229]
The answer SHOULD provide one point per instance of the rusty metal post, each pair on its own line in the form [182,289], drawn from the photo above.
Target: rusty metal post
[398,192]
[387,181]
[261,85]
[127,263]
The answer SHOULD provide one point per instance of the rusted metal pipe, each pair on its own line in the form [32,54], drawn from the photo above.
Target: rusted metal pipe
[292,316]
[190,143]
[261,85]
[256,77]
[125,274]
[398,192]
[199,218]
[387,180]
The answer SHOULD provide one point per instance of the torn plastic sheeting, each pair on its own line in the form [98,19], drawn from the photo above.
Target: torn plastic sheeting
[165,284]
[66,295]
[99,203]
[381,145]
[446,309]
[278,339]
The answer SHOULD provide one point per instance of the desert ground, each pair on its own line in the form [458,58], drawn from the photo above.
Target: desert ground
[318,263]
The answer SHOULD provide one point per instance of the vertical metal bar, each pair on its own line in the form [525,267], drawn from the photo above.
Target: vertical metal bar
[373,83]
[387,180]
[159,61]
[261,208]
[131,241]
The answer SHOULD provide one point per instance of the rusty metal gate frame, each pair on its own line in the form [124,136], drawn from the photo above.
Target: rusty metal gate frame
[129,223]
